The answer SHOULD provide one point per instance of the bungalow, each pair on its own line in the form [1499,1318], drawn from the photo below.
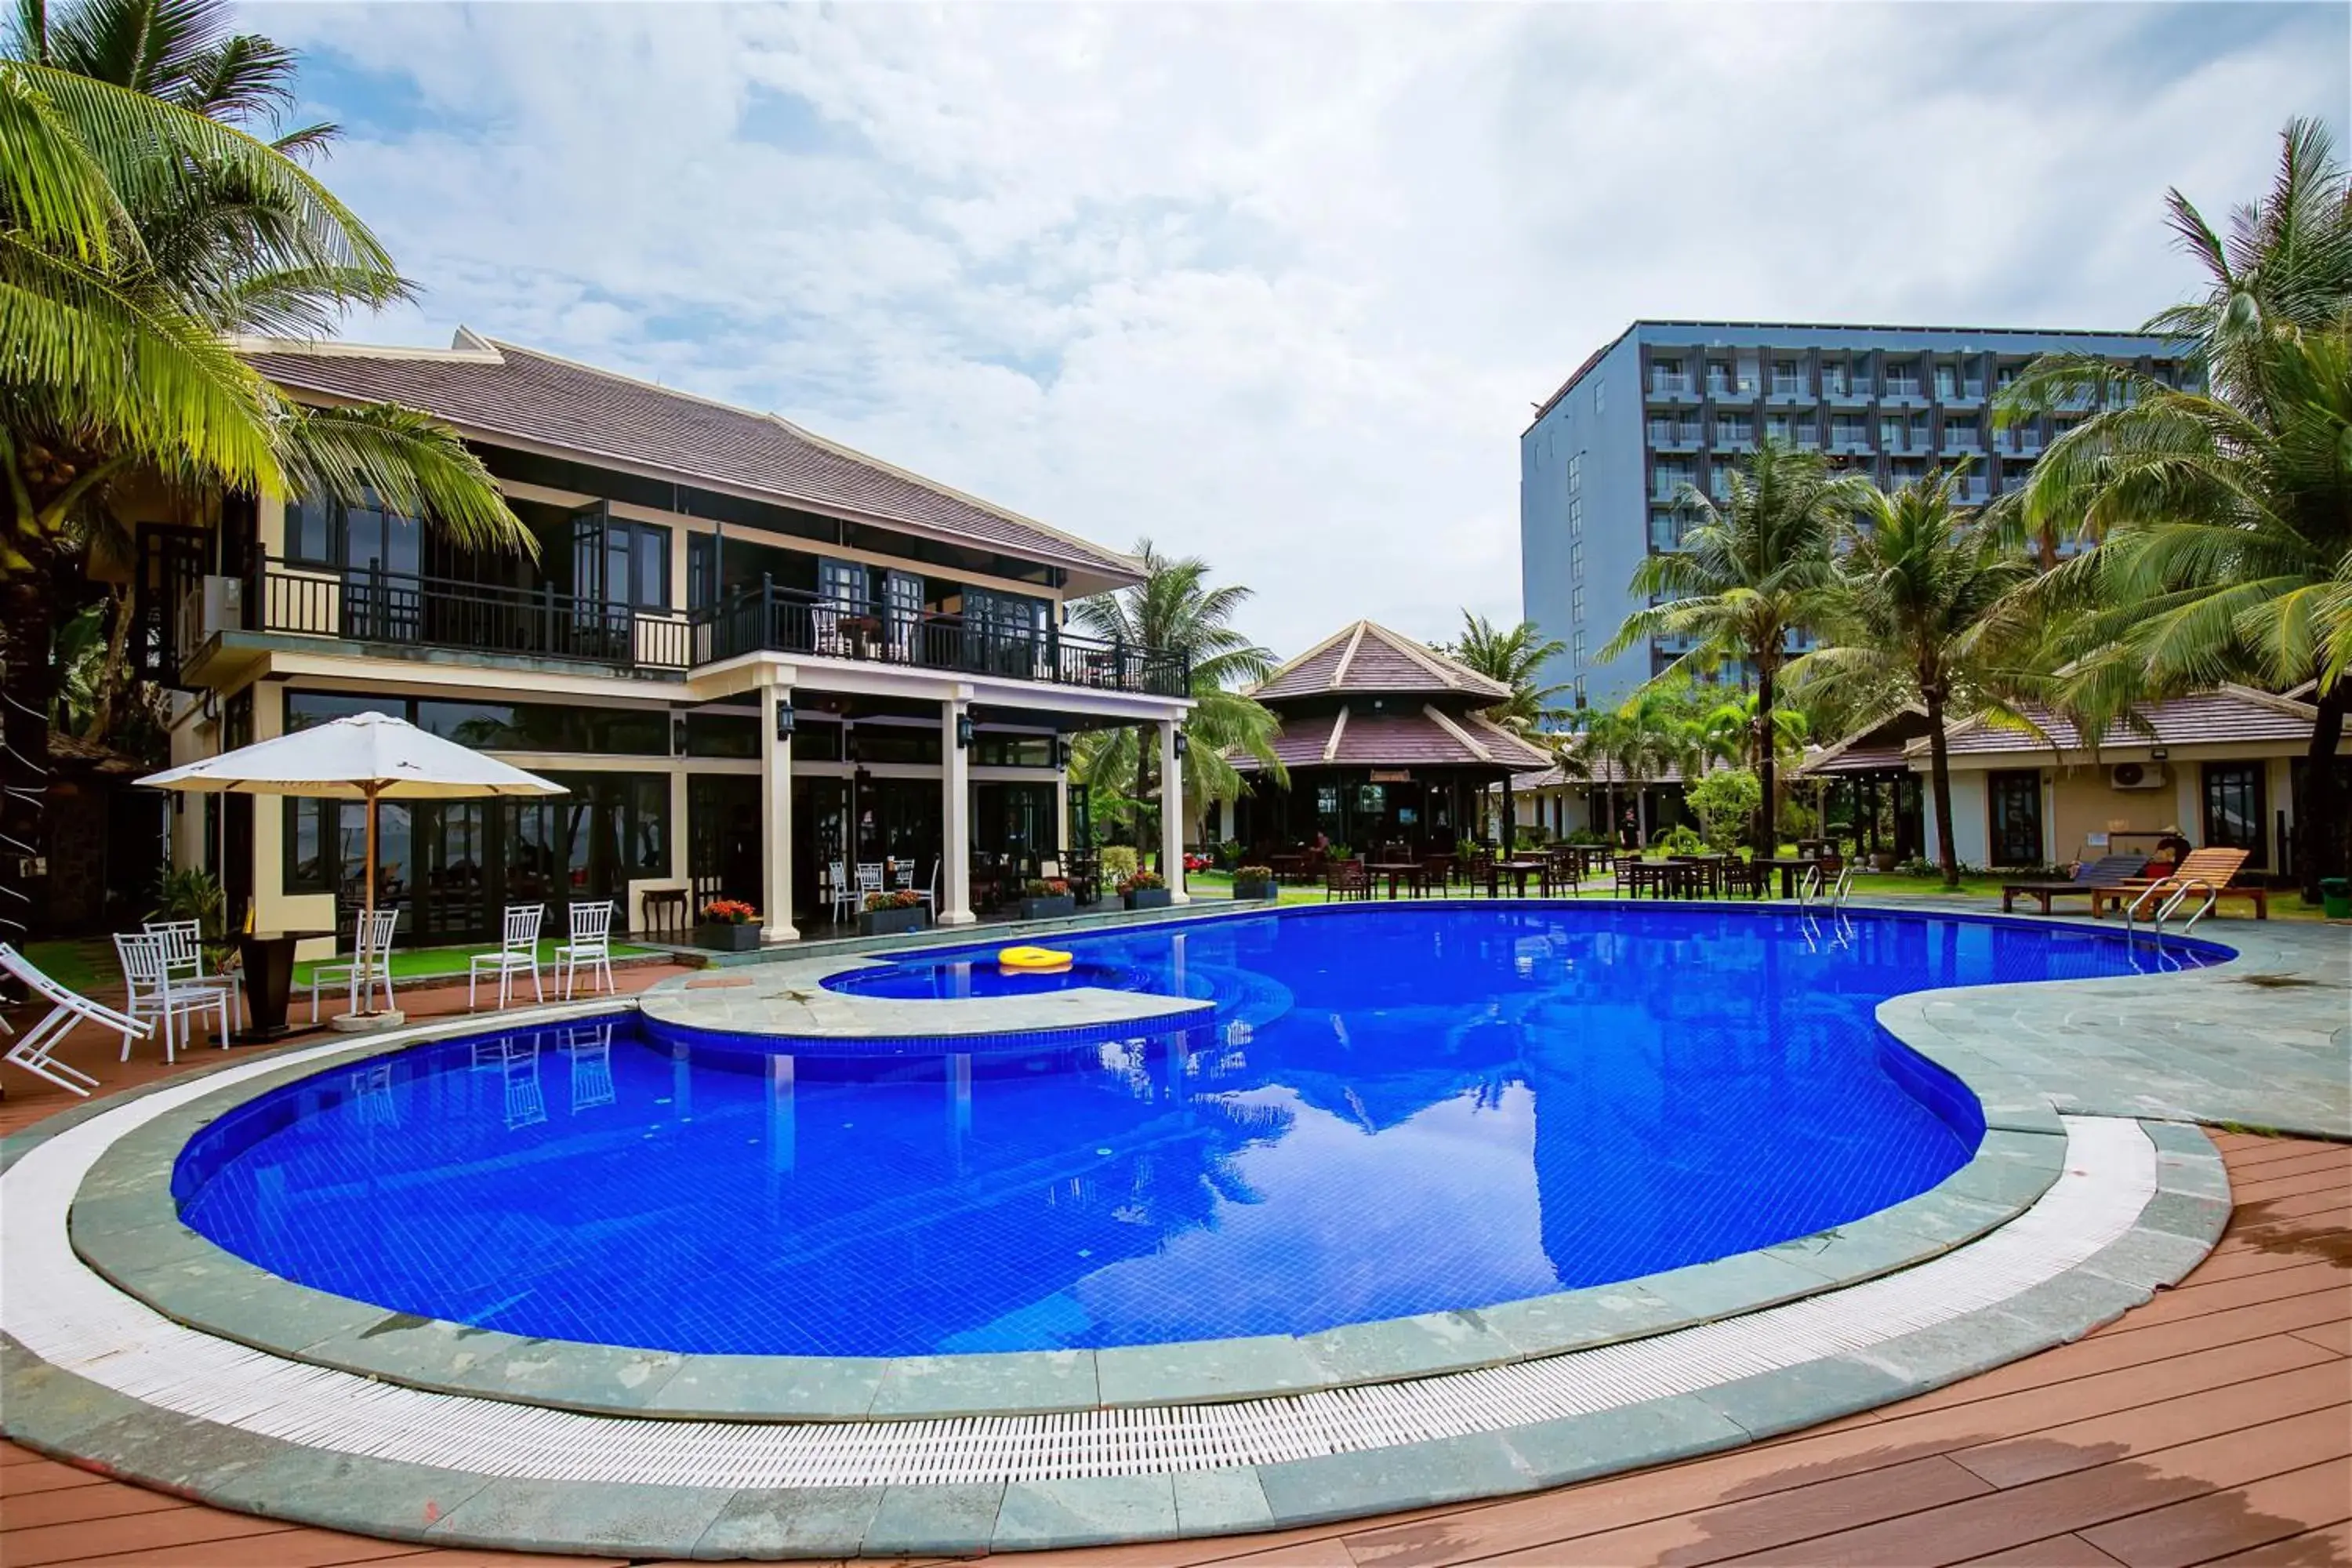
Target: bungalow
[2218,767]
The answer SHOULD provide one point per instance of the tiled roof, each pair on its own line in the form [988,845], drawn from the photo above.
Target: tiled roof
[1878,758]
[1369,657]
[493,389]
[1397,738]
[2224,715]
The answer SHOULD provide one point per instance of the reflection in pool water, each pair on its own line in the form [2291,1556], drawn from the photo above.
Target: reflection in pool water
[1391,1111]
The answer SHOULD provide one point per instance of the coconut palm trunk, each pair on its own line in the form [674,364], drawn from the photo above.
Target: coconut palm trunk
[1768,829]
[1940,772]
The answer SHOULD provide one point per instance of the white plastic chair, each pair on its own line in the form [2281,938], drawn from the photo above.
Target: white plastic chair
[148,979]
[183,955]
[591,943]
[869,879]
[843,897]
[930,894]
[518,953]
[369,966]
[32,1049]
[590,1048]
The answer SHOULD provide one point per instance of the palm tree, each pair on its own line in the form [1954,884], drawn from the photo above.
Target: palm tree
[1516,657]
[1175,609]
[137,234]
[2224,515]
[1751,572]
[1926,603]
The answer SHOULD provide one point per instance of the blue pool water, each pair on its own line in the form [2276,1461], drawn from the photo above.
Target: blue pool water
[1392,1111]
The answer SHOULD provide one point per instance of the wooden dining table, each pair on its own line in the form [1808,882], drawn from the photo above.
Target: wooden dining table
[1398,872]
[1518,871]
[1791,867]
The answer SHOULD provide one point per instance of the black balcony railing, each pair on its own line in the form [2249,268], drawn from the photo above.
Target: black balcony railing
[364,604]
[368,604]
[786,620]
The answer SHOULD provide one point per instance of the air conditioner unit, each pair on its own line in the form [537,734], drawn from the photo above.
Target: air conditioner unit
[2136,775]
[224,605]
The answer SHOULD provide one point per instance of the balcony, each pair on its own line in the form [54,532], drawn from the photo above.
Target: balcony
[1666,436]
[1730,390]
[1797,391]
[1851,443]
[425,612]
[1963,439]
[1901,390]
[1962,393]
[1734,439]
[1847,394]
[1671,388]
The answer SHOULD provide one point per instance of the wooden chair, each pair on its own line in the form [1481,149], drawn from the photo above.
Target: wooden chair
[2106,871]
[2214,867]
[1346,880]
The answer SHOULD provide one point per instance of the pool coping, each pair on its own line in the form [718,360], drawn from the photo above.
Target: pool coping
[124,1224]
[61,1412]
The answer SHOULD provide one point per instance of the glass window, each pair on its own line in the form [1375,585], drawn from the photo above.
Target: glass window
[310,533]
[651,579]
[815,743]
[306,869]
[894,743]
[482,726]
[1575,516]
[728,736]
[702,570]
[304,708]
[626,731]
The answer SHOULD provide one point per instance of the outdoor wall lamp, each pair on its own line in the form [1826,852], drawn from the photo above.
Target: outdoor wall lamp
[2158,753]
[1062,753]
[1184,743]
[783,718]
[963,730]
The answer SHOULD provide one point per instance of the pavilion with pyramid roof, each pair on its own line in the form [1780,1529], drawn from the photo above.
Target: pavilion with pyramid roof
[1384,741]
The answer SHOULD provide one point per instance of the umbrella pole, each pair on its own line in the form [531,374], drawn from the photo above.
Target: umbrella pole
[367,921]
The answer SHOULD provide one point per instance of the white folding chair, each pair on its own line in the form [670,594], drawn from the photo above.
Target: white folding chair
[370,965]
[590,943]
[843,897]
[518,953]
[930,894]
[32,1049]
[147,980]
[183,955]
[869,879]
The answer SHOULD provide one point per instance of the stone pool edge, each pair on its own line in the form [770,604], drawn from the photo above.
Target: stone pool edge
[58,1413]
[124,1226]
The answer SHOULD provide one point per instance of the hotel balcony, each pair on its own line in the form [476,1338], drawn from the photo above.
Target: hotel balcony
[1667,435]
[1960,394]
[1792,392]
[1902,392]
[401,614]
[1671,389]
[1849,396]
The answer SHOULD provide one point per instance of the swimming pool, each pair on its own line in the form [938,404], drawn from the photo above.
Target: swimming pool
[1392,1111]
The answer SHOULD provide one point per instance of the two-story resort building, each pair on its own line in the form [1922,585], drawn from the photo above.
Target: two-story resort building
[750,654]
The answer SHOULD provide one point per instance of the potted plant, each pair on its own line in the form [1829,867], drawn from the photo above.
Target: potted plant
[1146,890]
[727,925]
[889,914]
[1255,883]
[1046,899]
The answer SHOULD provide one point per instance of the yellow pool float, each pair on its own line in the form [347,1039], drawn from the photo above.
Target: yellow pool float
[1034,960]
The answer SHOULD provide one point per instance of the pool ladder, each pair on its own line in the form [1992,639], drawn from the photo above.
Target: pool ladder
[1809,892]
[2170,905]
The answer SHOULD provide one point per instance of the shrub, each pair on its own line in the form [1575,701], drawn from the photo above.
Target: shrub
[1680,839]
[1119,860]
[904,898]
[1229,853]
[1338,852]
[1142,882]
[727,912]
[1044,888]
[1253,873]
[1726,801]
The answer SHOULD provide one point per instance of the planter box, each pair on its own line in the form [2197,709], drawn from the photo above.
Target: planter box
[742,938]
[892,922]
[1256,892]
[1151,898]
[1049,908]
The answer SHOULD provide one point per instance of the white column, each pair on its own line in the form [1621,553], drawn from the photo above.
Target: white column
[775,821]
[1062,814]
[1172,813]
[955,820]
[681,857]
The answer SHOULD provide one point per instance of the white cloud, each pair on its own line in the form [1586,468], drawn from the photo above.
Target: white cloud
[1274,285]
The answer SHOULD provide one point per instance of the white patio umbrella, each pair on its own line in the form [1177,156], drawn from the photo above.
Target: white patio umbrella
[366,756]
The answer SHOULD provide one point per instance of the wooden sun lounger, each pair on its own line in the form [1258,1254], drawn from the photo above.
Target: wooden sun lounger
[2214,867]
[2106,871]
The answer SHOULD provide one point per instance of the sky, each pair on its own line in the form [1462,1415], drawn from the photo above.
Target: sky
[1274,286]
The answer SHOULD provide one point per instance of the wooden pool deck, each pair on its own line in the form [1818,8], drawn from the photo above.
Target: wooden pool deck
[2213,1425]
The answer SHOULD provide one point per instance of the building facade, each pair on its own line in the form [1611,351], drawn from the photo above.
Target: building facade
[1671,403]
[752,657]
